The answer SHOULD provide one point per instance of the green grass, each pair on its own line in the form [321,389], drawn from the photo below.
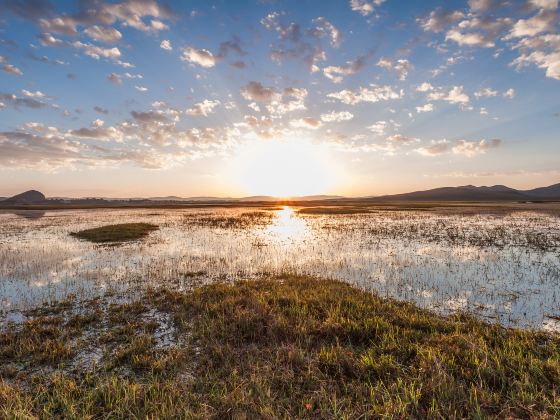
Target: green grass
[116,233]
[290,347]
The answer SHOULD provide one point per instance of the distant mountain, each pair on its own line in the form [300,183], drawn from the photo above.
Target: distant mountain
[545,192]
[27,197]
[472,193]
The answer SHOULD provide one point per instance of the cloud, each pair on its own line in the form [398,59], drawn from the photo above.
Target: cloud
[478,31]
[372,94]
[325,28]
[294,45]
[337,73]
[542,51]
[166,45]
[436,148]
[460,147]
[455,95]
[425,108]
[402,140]
[401,66]
[141,88]
[9,68]
[379,128]
[439,19]
[473,148]
[486,93]
[130,13]
[545,20]
[149,117]
[17,102]
[50,41]
[255,91]
[334,116]
[202,57]
[96,52]
[203,109]
[424,87]
[101,110]
[307,122]
[365,7]
[36,94]
[104,34]
[510,93]
[115,78]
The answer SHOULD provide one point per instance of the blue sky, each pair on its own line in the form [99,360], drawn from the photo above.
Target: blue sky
[351,97]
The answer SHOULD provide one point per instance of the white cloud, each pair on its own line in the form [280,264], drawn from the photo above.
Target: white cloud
[436,148]
[166,45]
[307,122]
[372,94]
[203,108]
[365,7]
[473,148]
[425,108]
[454,96]
[141,88]
[425,87]
[401,66]
[96,52]
[325,28]
[105,34]
[460,147]
[379,128]
[510,93]
[202,57]
[486,93]
[337,73]
[337,116]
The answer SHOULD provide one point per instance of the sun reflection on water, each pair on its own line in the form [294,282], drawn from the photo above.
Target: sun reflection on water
[286,227]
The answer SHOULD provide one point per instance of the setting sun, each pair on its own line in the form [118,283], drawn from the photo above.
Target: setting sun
[284,168]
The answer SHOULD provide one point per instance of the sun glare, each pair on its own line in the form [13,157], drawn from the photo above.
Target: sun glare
[284,168]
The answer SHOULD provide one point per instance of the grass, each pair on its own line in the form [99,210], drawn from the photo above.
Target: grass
[116,233]
[282,347]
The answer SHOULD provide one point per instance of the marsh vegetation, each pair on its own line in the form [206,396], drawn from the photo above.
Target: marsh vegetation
[116,233]
[276,347]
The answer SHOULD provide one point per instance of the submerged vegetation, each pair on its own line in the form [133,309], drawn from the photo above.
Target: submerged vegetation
[277,347]
[116,233]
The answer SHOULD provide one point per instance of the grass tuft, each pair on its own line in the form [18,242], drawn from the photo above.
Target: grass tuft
[116,233]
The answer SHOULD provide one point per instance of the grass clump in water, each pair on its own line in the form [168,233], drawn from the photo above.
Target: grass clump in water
[116,233]
[295,347]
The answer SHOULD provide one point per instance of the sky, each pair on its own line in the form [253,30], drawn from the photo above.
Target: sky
[143,98]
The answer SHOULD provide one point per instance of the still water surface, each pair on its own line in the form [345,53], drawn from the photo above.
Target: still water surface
[502,267]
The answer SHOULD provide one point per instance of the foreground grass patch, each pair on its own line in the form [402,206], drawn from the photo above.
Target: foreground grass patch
[291,347]
[116,233]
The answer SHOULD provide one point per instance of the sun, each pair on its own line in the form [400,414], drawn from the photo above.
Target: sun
[284,168]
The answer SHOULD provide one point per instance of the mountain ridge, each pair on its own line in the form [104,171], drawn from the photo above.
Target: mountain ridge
[460,193]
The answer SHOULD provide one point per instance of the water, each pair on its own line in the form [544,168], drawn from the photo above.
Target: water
[502,267]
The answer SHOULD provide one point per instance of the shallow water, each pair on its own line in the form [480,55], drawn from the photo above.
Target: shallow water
[502,267]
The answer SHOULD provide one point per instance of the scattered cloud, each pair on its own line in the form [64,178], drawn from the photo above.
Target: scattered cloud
[203,109]
[334,116]
[166,45]
[374,93]
[425,108]
[337,73]
[365,7]
[401,67]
